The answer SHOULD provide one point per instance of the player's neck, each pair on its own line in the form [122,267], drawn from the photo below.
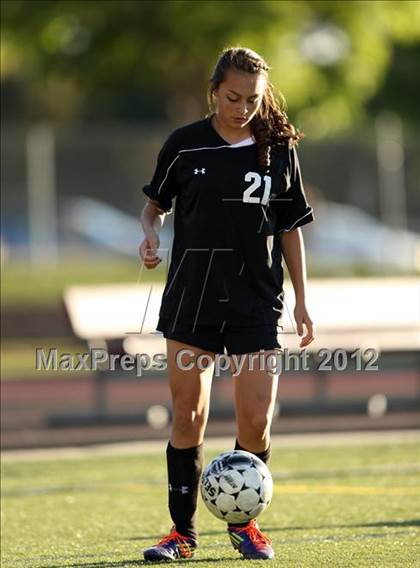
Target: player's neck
[231,135]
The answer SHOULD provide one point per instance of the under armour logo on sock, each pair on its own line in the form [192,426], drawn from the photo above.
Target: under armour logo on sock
[197,171]
[184,489]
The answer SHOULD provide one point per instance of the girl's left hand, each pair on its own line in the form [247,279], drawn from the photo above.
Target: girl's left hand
[302,318]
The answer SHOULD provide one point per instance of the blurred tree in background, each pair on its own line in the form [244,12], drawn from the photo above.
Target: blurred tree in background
[337,63]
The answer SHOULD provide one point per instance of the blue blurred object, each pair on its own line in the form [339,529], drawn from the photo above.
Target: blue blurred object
[343,234]
[107,226]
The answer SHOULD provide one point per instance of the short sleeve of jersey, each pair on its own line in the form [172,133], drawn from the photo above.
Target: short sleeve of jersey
[163,186]
[293,209]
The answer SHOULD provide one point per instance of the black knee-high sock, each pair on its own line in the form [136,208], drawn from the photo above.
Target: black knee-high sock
[264,456]
[184,470]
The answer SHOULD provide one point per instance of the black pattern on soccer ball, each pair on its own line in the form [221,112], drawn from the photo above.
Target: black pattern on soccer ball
[236,486]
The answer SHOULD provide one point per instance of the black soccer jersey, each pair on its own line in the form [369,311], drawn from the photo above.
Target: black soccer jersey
[226,261]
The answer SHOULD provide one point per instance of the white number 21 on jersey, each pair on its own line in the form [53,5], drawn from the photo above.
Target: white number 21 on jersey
[256,183]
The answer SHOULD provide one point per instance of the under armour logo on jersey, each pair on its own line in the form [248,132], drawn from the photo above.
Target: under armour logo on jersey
[183,489]
[197,171]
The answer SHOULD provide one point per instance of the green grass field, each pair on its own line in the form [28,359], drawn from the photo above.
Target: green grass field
[48,282]
[348,506]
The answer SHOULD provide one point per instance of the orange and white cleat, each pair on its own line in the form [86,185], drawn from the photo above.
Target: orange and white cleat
[172,547]
[251,542]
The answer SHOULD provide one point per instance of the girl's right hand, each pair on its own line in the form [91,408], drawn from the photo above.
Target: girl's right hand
[148,250]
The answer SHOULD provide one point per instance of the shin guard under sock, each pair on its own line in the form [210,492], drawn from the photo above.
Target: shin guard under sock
[184,470]
[264,456]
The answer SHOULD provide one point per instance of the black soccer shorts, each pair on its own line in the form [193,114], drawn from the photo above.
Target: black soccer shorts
[238,340]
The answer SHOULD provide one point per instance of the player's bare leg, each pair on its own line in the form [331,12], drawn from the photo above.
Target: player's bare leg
[255,393]
[190,390]
[255,390]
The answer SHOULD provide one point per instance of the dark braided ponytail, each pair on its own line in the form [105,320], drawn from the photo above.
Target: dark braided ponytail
[270,126]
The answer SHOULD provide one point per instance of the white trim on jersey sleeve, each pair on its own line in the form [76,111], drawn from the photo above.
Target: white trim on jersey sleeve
[167,173]
[310,212]
[297,212]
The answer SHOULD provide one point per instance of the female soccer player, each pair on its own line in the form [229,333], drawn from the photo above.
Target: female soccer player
[239,206]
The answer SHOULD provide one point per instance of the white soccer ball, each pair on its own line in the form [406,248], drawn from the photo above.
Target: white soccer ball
[236,486]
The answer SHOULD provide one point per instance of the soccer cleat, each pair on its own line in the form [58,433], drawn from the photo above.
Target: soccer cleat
[251,542]
[171,547]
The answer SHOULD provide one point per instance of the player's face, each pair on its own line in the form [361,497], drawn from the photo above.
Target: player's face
[239,97]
